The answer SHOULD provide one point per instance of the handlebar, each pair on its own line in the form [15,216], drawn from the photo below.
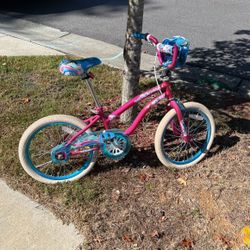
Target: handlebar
[138,35]
[154,41]
[146,36]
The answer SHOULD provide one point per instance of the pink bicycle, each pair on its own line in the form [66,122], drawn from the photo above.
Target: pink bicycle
[61,148]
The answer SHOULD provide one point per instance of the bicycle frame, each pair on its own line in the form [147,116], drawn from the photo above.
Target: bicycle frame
[165,93]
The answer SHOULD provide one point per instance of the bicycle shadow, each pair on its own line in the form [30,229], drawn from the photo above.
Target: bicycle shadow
[139,157]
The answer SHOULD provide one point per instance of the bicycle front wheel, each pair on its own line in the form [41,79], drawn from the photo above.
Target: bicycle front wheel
[171,147]
[39,144]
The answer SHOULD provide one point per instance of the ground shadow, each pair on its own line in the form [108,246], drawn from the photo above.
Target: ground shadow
[28,7]
[139,157]
[222,142]
[238,124]
[230,57]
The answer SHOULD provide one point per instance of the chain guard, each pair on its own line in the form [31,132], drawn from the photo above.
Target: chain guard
[115,145]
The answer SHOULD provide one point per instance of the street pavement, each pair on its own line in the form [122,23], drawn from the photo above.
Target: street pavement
[218,30]
[203,22]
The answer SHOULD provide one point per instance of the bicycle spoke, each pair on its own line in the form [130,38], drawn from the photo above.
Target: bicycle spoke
[42,145]
[173,145]
[180,147]
[176,147]
[201,123]
[44,164]
[42,154]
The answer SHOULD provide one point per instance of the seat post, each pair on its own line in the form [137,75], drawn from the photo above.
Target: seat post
[92,92]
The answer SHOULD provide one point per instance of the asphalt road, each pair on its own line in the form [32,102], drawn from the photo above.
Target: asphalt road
[217,29]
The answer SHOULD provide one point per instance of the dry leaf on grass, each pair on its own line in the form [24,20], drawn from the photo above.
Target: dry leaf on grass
[125,170]
[163,218]
[182,181]
[245,232]
[155,234]
[186,243]
[116,194]
[143,177]
[127,238]
[225,240]
[26,100]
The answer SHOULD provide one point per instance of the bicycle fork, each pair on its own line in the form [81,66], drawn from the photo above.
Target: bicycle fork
[181,113]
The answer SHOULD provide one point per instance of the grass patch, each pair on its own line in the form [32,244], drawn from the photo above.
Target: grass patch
[31,88]
[135,203]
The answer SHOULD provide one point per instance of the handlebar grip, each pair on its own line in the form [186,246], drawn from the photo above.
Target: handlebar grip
[138,35]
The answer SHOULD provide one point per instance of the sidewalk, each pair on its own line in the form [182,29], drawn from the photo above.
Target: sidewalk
[11,46]
[25,225]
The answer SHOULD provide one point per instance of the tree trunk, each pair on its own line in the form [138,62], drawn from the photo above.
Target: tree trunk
[132,56]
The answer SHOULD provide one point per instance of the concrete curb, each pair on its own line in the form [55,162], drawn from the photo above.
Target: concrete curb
[77,45]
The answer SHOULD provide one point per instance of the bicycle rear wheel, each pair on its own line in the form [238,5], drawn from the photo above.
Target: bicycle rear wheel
[170,146]
[40,143]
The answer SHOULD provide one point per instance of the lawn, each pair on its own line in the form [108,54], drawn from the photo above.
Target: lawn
[135,203]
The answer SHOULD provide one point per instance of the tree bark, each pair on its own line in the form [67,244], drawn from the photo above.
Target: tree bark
[132,56]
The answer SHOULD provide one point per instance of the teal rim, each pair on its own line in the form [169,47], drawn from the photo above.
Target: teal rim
[72,174]
[194,148]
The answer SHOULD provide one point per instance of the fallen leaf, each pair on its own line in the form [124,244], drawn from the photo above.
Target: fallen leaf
[138,190]
[116,194]
[163,218]
[26,100]
[143,177]
[245,232]
[225,240]
[127,238]
[155,234]
[187,243]
[98,239]
[182,181]
[125,170]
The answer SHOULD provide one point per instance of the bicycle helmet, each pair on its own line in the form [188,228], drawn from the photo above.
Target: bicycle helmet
[166,48]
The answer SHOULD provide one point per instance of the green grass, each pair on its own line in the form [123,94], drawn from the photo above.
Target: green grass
[31,88]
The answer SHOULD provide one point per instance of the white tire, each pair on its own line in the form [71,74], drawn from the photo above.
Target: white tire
[27,135]
[160,133]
